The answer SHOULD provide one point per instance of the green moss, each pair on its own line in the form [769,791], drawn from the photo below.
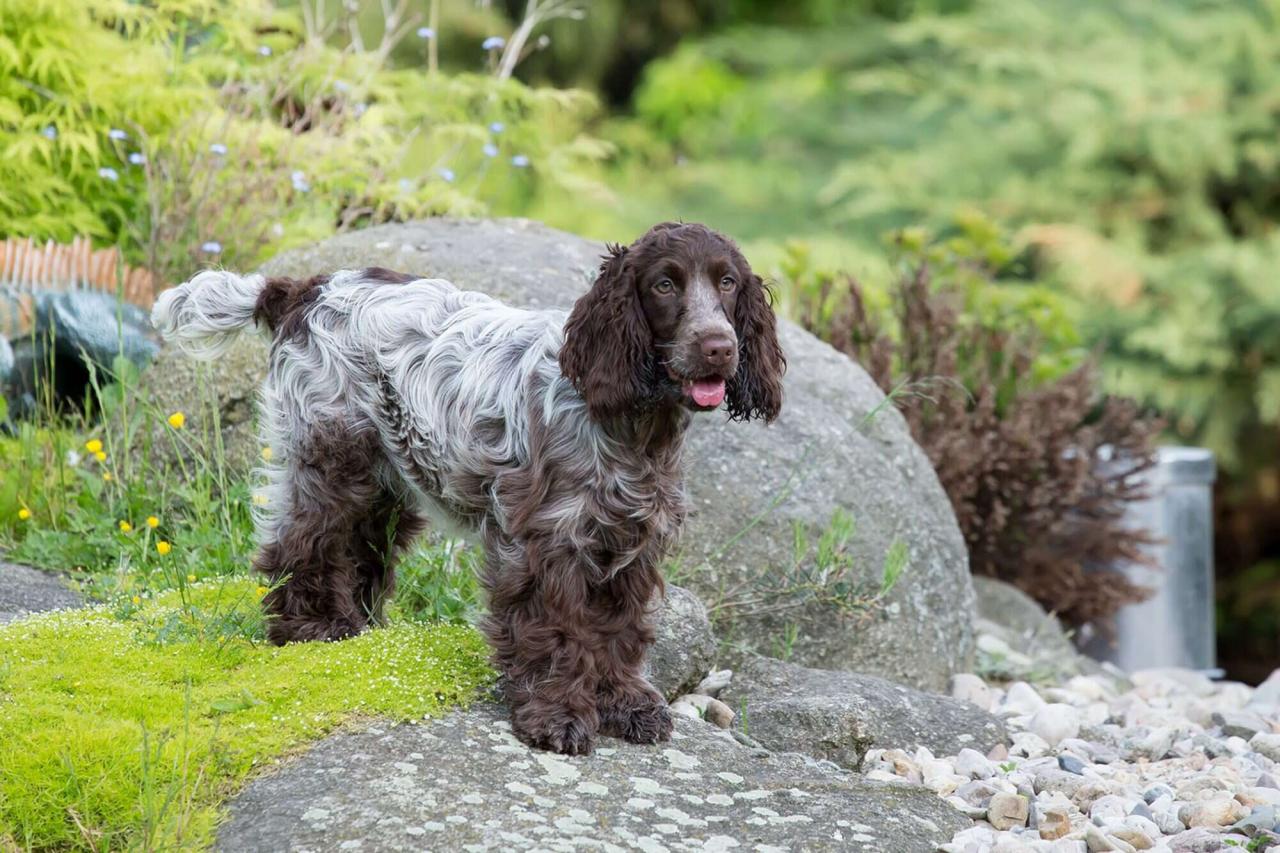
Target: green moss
[112,737]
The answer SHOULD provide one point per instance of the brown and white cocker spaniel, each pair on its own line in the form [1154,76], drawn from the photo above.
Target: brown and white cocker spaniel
[392,399]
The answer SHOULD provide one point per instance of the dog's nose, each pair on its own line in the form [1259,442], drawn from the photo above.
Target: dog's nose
[717,350]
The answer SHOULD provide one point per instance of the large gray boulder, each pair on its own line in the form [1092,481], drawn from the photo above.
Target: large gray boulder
[837,452]
[466,783]
[840,715]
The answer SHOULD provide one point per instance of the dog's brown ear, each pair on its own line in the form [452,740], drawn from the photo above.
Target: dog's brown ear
[755,391]
[607,342]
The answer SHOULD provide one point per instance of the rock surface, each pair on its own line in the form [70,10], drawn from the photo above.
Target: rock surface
[685,646]
[840,715]
[1017,639]
[748,484]
[465,783]
[24,590]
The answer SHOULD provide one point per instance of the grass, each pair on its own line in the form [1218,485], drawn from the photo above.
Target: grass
[115,736]
[125,725]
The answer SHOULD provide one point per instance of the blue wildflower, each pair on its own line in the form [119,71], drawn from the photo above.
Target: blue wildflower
[117,134]
[494,43]
[360,109]
[497,127]
[108,173]
[300,184]
[218,148]
[446,173]
[490,150]
[265,50]
[341,86]
[213,247]
[426,33]
[520,161]
[49,132]
[137,158]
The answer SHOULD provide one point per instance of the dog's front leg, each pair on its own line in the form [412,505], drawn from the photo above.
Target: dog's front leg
[630,707]
[544,642]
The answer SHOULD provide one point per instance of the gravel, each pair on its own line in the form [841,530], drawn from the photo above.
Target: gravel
[1169,761]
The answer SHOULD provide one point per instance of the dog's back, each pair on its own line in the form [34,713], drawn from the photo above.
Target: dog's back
[441,379]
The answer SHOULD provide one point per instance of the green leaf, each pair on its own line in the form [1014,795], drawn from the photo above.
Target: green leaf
[241,702]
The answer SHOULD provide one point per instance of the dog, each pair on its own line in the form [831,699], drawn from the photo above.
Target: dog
[392,400]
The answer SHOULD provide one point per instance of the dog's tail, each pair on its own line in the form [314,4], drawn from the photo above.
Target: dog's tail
[204,316]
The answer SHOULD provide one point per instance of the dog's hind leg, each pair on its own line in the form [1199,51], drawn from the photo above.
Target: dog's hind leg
[311,551]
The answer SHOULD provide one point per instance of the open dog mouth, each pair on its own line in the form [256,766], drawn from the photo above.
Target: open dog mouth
[705,393]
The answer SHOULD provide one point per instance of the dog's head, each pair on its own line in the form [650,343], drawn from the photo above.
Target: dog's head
[677,317]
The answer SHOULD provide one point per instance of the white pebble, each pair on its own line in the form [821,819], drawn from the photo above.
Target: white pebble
[967,687]
[1055,723]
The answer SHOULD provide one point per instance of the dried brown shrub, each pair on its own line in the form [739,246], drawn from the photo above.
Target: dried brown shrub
[1039,472]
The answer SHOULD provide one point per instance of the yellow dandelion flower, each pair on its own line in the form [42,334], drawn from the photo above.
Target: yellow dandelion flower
[24,514]
[266,454]
[153,522]
[106,475]
[93,445]
[136,600]
[125,527]
[163,547]
[101,456]
[262,590]
[177,419]
[191,578]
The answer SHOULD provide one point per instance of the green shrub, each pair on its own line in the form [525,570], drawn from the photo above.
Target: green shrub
[191,133]
[76,80]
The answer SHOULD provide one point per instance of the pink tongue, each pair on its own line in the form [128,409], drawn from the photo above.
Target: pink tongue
[707,392]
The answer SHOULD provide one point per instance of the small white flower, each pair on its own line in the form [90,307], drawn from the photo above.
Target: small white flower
[278,229]
[49,132]
[108,173]
[137,158]
[490,150]
[213,247]
[73,459]
[218,148]
[360,109]
[300,184]
[341,86]
[117,133]
[405,185]
[497,127]
[264,50]
[426,33]
[494,43]
[520,161]
[446,174]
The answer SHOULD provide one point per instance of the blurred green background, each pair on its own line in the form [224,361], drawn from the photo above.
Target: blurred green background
[1116,161]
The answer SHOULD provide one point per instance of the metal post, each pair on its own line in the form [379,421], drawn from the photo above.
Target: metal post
[1175,626]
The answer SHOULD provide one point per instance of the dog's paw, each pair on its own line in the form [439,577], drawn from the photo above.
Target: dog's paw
[562,731]
[281,630]
[648,722]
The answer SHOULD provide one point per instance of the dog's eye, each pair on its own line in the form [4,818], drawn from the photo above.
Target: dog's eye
[664,286]
[728,283]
